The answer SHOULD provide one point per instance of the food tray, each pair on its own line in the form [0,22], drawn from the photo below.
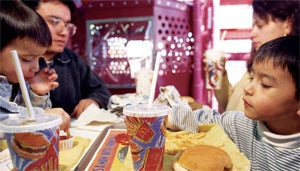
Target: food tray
[88,157]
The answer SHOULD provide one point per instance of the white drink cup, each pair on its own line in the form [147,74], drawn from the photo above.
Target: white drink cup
[214,68]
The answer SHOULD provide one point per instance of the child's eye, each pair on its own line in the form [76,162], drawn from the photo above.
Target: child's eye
[260,26]
[26,60]
[265,85]
[251,76]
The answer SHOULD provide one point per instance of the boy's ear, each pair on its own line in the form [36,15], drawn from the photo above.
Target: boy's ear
[288,26]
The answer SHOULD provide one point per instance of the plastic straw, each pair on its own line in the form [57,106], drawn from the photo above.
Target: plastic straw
[16,61]
[223,36]
[154,80]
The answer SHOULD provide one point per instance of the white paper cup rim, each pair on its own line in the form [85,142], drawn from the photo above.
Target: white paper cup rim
[142,110]
[214,54]
[15,124]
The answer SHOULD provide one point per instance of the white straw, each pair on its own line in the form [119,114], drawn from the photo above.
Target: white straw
[16,61]
[154,80]
[223,36]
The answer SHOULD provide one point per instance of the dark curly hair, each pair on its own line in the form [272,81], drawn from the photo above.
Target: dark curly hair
[19,21]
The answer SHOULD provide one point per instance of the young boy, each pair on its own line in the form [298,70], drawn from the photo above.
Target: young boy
[73,95]
[269,132]
[25,31]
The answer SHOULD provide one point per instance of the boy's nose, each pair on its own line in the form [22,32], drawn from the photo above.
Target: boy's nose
[253,32]
[35,67]
[248,89]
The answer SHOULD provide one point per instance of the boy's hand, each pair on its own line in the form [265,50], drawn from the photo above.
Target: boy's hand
[66,119]
[44,81]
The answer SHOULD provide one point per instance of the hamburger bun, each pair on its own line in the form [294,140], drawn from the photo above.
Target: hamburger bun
[204,158]
[30,145]
[189,99]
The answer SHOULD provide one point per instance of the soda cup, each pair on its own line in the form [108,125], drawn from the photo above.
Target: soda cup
[146,131]
[33,145]
[215,62]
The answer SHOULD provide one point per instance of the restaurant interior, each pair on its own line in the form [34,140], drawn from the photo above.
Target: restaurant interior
[119,38]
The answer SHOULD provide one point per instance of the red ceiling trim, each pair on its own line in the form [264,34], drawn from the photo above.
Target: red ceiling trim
[235,2]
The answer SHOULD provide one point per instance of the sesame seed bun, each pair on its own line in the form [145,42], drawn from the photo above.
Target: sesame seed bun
[204,158]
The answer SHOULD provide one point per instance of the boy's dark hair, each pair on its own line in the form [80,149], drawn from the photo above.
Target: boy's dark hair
[278,9]
[284,52]
[19,21]
[34,4]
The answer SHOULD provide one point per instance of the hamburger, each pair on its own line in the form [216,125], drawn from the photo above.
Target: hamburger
[30,145]
[204,158]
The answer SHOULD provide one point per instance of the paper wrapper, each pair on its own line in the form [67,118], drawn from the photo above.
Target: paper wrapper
[95,114]
[170,96]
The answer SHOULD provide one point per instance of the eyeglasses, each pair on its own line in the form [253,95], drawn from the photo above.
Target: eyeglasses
[60,25]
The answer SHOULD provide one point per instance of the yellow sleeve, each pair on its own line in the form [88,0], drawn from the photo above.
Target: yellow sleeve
[235,101]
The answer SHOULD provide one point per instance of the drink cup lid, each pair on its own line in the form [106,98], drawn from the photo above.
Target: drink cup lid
[16,124]
[214,54]
[142,110]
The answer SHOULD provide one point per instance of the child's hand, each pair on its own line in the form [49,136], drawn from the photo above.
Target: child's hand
[44,81]
[66,119]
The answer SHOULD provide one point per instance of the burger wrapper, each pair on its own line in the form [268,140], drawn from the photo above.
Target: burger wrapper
[170,96]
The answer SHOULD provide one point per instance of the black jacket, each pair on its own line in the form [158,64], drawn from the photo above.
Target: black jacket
[76,81]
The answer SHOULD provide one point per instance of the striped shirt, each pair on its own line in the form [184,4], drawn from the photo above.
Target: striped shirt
[246,134]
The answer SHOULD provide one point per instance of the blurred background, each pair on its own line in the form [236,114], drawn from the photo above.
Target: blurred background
[119,38]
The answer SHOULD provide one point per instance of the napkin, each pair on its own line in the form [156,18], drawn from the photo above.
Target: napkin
[94,114]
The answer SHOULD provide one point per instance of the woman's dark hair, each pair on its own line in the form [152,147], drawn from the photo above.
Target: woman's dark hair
[284,52]
[278,9]
[18,21]
[34,4]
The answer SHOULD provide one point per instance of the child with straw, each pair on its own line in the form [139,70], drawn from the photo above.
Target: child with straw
[26,32]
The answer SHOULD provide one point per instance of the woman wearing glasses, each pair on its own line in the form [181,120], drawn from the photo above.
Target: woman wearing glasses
[79,86]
